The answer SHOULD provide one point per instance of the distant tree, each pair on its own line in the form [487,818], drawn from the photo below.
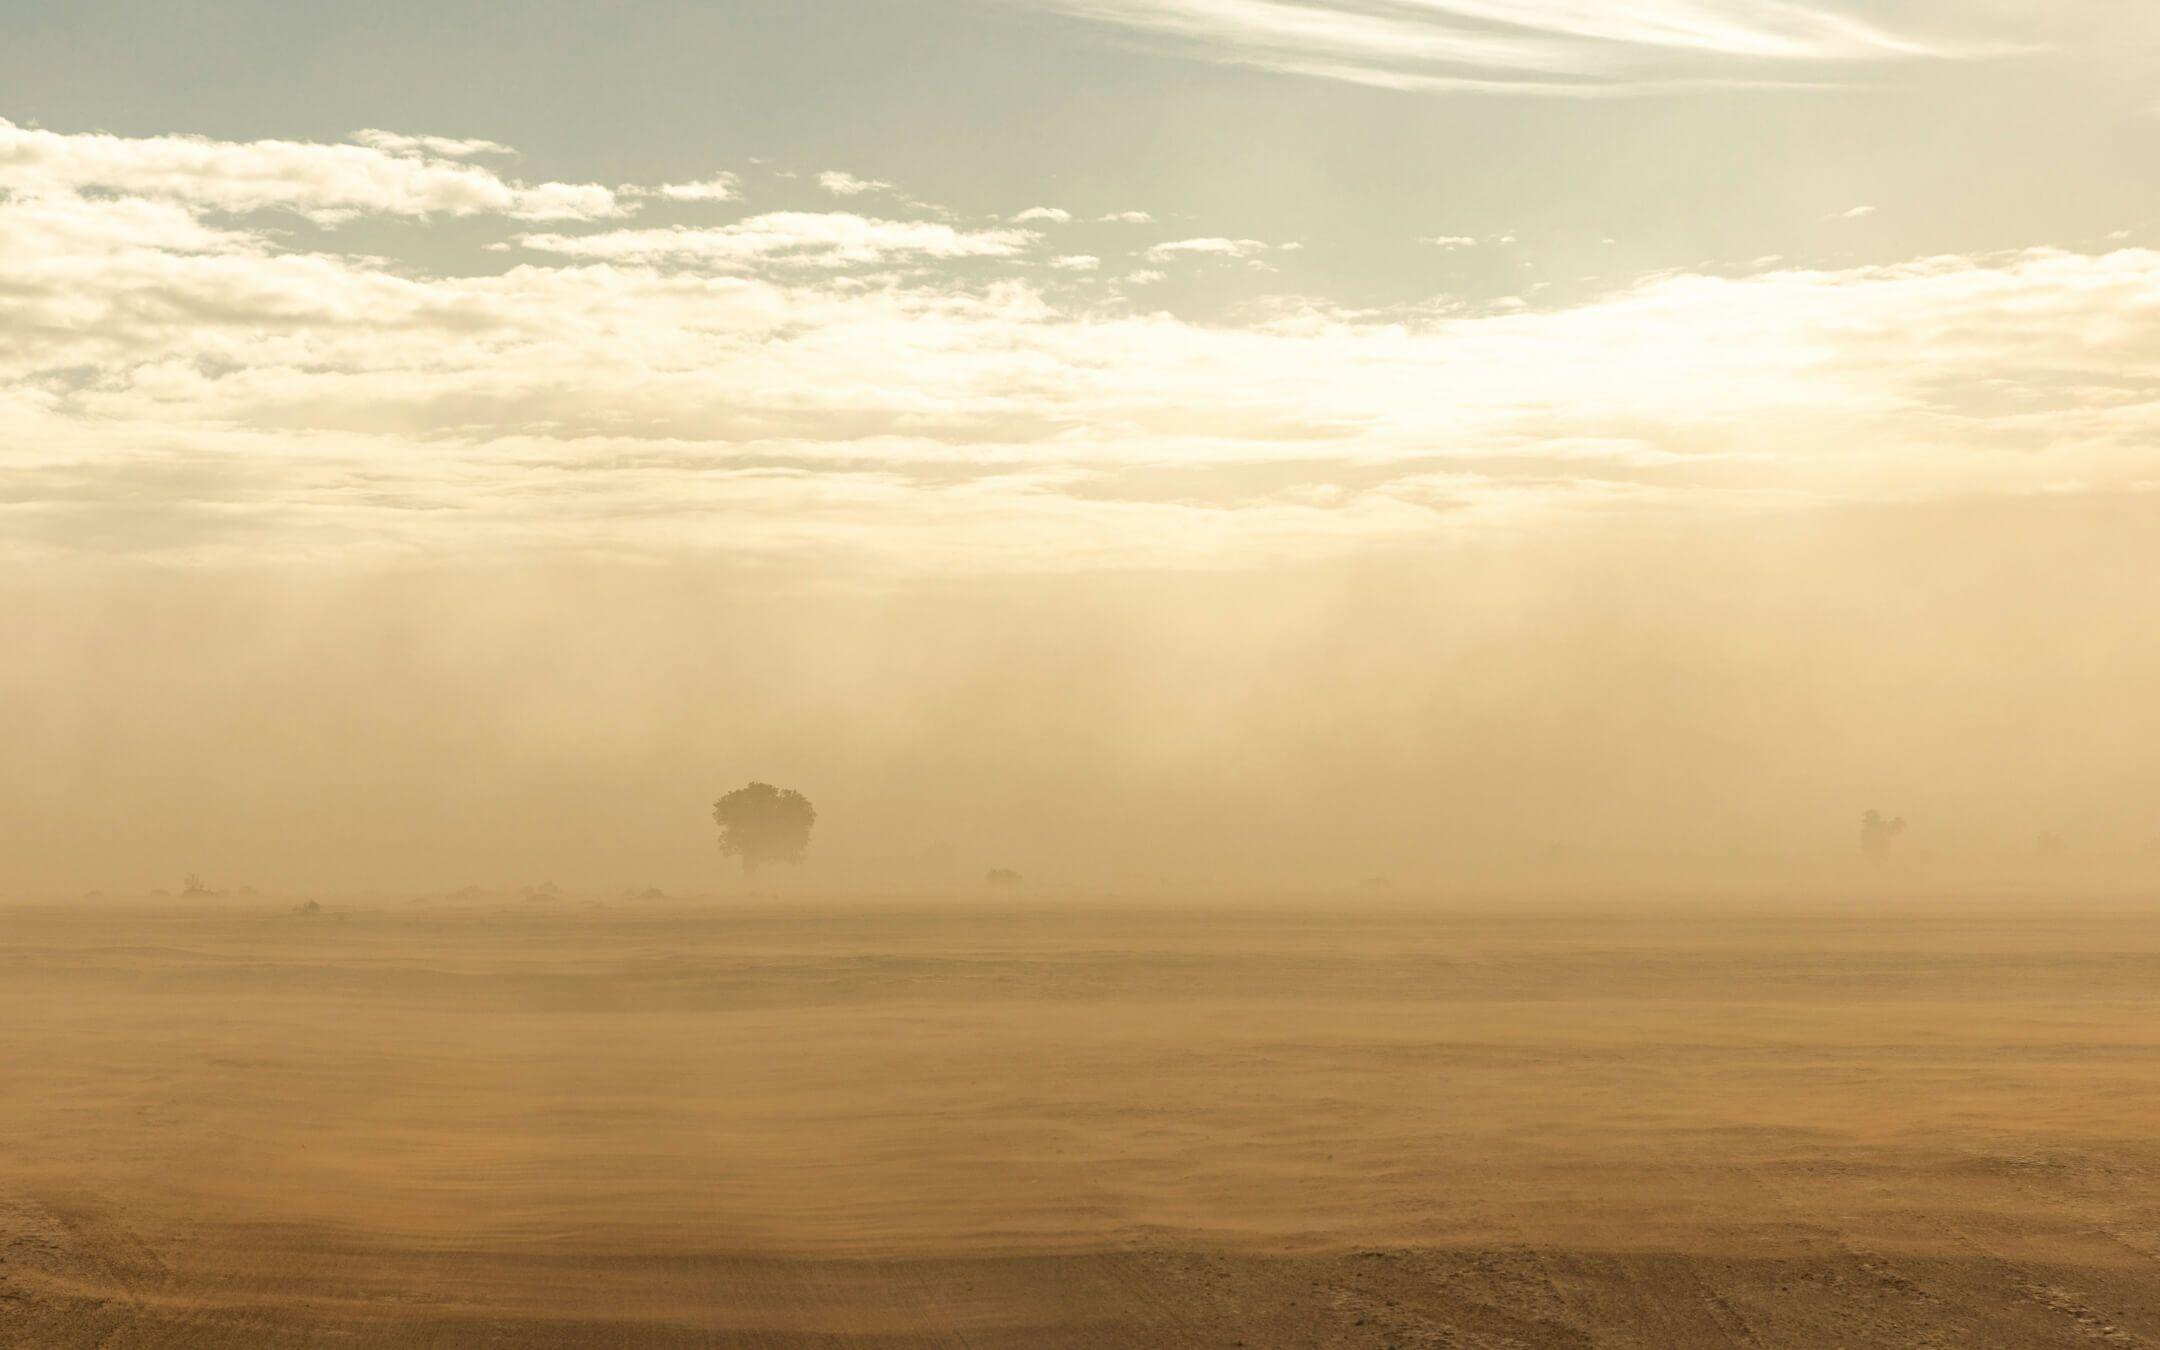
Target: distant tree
[1877,835]
[1002,876]
[763,824]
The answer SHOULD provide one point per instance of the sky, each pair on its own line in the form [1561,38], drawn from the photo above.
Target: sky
[1072,392]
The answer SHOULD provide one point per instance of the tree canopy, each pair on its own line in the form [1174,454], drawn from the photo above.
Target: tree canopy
[762,824]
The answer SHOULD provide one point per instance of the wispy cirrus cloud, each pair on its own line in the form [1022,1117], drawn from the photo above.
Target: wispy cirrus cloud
[1526,46]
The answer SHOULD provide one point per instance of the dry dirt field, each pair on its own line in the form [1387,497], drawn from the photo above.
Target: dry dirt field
[492,1123]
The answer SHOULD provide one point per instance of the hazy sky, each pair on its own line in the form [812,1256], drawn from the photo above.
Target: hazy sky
[912,298]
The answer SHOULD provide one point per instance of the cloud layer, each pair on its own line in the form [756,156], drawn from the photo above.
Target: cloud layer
[180,379]
[380,173]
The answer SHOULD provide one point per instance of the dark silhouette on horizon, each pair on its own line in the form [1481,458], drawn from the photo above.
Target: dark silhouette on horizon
[762,824]
[1877,835]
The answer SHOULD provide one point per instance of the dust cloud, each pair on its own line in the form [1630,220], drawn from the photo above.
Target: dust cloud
[1650,937]
[1620,707]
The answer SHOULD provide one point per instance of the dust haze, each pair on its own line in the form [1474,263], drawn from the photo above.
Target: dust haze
[1080,675]
[1627,707]
[1676,936]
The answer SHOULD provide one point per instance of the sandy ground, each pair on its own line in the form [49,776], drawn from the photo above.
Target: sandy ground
[503,1124]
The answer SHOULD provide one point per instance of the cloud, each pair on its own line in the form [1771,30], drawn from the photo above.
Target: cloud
[841,184]
[1856,213]
[178,384]
[1128,218]
[1053,215]
[1076,262]
[1208,248]
[1450,241]
[1532,46]
[447,147]
[718,188]
[798,238]
[320,181]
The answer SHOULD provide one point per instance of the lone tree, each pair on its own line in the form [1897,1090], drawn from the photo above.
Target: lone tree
[1877,835]
[763,824]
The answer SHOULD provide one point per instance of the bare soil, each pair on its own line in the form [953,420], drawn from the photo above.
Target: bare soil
[507,1123]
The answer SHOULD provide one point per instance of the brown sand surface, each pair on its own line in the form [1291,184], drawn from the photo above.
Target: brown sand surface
[1057,1123]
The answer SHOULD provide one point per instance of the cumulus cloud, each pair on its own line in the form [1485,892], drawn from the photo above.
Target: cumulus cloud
[802,238]
[320,181]
[842,184]
[1128,218]
[1207,248]
[1450,241]
[447,147]
[718,188]
[1076,262]
[1051,214]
